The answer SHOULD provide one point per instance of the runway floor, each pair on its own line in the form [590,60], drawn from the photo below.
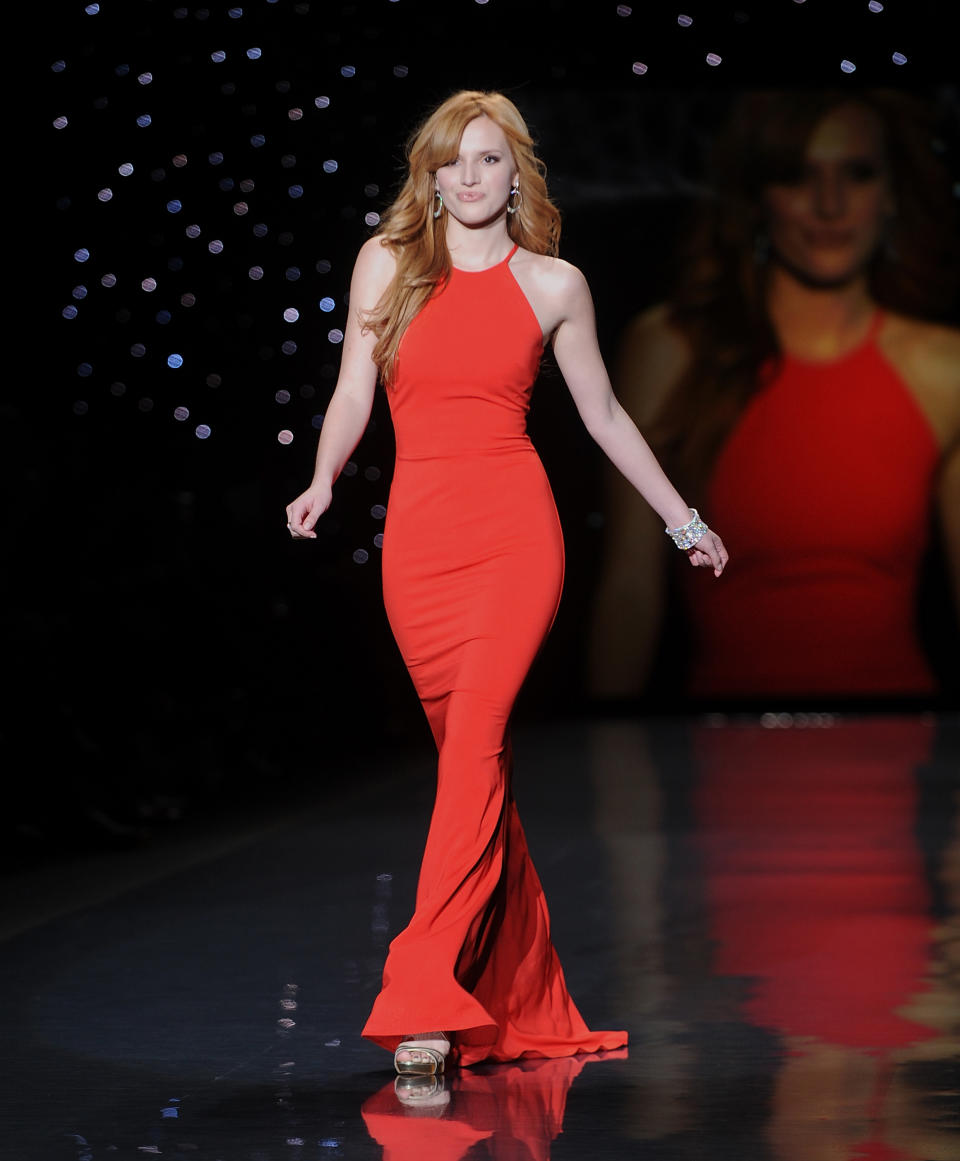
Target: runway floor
[770,906]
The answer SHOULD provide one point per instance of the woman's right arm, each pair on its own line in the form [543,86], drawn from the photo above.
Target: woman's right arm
[349,409]
[628,607]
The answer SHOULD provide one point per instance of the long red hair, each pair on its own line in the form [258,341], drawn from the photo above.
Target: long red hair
[418,240]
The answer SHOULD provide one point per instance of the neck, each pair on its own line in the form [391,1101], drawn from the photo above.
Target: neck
[476,247]
[820,322]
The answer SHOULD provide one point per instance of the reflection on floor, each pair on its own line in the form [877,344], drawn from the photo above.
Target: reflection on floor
[770,906]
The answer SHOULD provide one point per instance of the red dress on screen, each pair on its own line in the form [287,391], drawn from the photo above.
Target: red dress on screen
[824,492]
[472,575]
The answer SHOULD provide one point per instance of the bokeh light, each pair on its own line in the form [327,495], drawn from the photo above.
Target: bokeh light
[221,180]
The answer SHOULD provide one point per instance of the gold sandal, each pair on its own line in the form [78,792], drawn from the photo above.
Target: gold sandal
[430,1062]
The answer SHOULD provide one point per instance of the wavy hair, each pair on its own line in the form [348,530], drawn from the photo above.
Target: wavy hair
[719,301]
[418,240]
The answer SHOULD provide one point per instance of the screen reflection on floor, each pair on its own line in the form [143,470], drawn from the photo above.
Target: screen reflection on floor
[784,934]
[808,868]
[770,906]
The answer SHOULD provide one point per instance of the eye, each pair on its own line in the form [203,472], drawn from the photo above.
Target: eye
[863,171]
[787,172]
[492,157]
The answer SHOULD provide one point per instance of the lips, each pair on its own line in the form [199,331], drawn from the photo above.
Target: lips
[829,238]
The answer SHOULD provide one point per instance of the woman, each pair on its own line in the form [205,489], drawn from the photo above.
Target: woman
[803,382]
[451,305]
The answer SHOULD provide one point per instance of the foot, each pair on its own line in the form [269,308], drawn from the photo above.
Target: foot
[422,1055]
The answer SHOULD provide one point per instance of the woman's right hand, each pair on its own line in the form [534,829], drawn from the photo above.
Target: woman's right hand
[304,512]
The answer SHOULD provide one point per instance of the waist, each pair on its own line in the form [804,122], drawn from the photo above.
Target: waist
[428,446]
[845,631]
[434,424]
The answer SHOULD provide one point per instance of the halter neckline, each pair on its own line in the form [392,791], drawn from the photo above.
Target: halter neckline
[866,340]
[487,269]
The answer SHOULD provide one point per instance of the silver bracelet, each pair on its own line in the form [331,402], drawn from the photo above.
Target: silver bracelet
[687,535]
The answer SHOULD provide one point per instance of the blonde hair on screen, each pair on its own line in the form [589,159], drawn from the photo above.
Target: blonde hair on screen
[418,240]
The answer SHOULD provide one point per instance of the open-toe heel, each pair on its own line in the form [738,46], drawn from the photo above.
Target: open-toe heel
[421,1059]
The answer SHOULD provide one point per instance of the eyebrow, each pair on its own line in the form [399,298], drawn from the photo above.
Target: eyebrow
[847,158]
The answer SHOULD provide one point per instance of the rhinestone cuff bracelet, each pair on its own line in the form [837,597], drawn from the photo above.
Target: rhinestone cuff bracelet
[688,534]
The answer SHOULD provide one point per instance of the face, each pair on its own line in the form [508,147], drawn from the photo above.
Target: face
[476,183]
[825,225]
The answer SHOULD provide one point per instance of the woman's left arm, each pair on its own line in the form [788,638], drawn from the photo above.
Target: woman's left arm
[578,356]
[927,356]
[949,507]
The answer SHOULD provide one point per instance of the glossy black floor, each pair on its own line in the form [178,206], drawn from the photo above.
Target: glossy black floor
[770,906]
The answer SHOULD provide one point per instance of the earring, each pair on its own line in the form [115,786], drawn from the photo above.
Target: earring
[437,203]
[889,246]
[514,193]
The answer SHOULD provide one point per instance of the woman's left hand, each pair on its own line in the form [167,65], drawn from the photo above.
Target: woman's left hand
[709,552]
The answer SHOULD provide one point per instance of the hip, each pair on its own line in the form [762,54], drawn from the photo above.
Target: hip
[472,504]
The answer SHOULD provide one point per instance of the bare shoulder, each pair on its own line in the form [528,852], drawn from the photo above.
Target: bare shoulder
[553,276]
[375,259]
[373,272]
[651,357]
[651,334]
[556,290]
[927,355]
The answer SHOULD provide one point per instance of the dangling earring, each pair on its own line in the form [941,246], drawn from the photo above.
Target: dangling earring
[888,248]
[437,203]
[515,193]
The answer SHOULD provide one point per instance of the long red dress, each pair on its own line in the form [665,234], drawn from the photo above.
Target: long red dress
[824,492]
[472,574]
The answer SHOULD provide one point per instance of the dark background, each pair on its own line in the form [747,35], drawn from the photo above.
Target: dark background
[170,650]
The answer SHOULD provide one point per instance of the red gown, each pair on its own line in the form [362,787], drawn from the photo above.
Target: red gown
[472,575]
[824,492]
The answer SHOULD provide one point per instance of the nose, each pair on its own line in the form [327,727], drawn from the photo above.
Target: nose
[470,173]
[829,195]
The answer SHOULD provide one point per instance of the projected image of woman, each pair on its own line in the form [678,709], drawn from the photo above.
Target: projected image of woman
[804,381]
